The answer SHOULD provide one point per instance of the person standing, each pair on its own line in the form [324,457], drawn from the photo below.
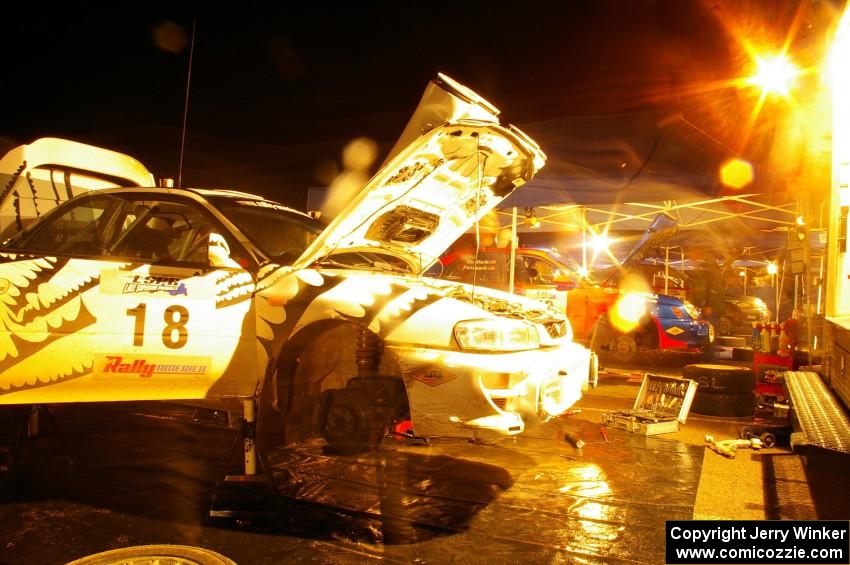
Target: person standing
[766,292]
[715,292]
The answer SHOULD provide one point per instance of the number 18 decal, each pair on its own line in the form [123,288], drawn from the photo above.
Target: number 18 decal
[174,335]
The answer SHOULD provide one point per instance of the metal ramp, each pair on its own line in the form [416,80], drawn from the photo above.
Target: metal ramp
[822,420]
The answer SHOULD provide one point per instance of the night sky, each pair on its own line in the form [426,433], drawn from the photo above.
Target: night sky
[277,94]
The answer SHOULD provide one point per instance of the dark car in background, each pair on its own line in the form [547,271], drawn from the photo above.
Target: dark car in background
[739,311]
[739,314]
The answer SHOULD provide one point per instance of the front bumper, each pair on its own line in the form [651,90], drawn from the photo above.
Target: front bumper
[453,393]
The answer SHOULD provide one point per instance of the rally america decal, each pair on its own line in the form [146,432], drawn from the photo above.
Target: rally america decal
[112,366]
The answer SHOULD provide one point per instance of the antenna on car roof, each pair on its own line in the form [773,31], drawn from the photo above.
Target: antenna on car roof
[186,105]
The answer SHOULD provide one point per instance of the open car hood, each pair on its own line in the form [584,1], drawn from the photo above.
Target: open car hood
[453,163]
[662,228]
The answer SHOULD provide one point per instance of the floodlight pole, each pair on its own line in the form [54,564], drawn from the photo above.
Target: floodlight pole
[512,267]
[776,283]
[584,238]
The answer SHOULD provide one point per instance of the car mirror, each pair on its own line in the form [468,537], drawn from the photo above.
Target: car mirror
[218,251]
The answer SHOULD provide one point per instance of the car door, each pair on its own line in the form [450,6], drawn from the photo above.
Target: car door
[114,297]
[174,324]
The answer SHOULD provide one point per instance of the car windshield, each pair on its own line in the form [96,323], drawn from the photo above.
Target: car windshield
[280,233]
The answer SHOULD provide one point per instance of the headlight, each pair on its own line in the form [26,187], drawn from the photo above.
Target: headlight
[498,334]
[759,302]
[691,310]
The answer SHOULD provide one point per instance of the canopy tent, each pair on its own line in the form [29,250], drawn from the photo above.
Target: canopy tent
[619,172]
[635,157]
[746,212]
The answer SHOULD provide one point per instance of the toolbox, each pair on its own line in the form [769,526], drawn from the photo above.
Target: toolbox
[661,405]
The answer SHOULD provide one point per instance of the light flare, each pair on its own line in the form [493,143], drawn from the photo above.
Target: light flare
[775,75]
[599,243]
[631,305]
[736,173]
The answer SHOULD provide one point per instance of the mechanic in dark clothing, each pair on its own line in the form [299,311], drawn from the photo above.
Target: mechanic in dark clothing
[715,293]
[714,296]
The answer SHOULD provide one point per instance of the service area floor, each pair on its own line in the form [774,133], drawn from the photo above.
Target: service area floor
[108,476]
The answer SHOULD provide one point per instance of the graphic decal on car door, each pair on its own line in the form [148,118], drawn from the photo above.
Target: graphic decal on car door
[47,312]
[62,319]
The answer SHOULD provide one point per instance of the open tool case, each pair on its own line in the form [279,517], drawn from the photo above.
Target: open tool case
[661,404]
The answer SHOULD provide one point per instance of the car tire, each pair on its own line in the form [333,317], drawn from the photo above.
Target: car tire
[724,326]
[721,404]
[623,347]
[348,424]
[713,378]
[146,554]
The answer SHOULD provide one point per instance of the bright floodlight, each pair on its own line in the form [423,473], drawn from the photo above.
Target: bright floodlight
[772,269]
[775,75]
[600,242]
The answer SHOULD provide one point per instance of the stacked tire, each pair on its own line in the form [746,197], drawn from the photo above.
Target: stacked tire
[724,390]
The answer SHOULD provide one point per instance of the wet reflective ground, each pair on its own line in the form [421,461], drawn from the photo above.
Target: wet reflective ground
[536,498]
[107,476]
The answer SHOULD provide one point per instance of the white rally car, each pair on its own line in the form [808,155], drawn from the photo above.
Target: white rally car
[188,294]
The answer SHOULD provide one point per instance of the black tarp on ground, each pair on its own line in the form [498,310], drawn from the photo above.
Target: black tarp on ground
[129,474]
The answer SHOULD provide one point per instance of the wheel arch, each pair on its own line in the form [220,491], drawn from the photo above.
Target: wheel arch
[289,405]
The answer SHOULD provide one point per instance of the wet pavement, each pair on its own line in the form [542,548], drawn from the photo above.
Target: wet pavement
[535,498]
[106,476]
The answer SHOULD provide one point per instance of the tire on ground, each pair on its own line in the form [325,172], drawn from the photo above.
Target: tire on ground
[145,554]
[722,404]
[721,378]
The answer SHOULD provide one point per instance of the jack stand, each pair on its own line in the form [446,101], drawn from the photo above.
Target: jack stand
[250,496]
[34,421]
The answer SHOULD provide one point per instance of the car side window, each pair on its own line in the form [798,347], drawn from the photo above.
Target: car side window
[129,227]
[77,230]
[159,231]
[540,272]
[522,275]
